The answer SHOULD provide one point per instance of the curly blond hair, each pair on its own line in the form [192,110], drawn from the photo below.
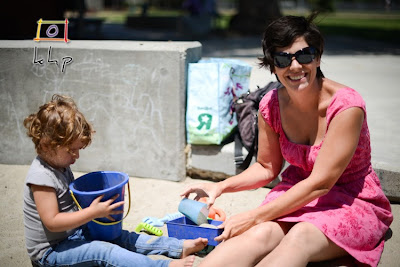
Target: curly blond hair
[58,123]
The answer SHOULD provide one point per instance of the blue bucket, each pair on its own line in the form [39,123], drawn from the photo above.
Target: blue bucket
[94,184]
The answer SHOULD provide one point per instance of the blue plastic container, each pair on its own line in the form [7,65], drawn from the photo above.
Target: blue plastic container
[92,185]
[194,210]
[184,228]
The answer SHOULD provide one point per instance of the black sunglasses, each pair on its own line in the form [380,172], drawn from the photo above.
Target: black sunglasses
[303,56]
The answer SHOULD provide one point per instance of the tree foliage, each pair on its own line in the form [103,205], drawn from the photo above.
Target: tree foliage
[254,15]
[322,5]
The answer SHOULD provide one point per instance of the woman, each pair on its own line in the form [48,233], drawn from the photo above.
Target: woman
[330,203]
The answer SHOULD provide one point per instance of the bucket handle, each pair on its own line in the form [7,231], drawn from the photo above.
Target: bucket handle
[104,223]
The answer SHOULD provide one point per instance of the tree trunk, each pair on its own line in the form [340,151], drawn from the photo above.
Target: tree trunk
[254,16]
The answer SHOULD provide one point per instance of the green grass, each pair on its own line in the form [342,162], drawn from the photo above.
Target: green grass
[119,16]
[378,25]
[110,16]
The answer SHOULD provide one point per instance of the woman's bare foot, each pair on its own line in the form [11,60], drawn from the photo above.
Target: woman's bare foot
[186,262]
[191,246]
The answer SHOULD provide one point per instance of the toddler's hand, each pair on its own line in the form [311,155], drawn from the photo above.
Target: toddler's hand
[106,208]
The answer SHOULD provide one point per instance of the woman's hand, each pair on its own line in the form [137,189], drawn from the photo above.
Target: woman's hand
[236,225]
[209,190]
[106,208]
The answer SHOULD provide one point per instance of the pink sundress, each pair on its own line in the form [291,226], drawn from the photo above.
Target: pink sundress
[355,214]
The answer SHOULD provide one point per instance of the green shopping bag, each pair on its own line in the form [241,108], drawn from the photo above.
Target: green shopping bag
[212,86]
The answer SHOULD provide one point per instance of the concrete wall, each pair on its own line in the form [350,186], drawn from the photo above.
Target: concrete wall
[134,94]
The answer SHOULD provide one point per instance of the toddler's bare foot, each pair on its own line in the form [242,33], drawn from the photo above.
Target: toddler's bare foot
[191,246]
[186,262]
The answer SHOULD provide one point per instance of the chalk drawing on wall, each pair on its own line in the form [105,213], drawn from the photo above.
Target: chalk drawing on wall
[12,123]
[95,84]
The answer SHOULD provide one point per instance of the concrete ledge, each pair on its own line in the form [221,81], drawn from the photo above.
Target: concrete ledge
[217,163]
[134,94]
[390,181]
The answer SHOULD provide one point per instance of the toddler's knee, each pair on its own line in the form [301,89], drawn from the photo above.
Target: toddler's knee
[102,247]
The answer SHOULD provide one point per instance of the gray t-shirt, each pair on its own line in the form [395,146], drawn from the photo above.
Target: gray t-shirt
[37,237]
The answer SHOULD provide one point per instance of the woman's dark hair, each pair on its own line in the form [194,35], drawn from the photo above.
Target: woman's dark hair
[284,31]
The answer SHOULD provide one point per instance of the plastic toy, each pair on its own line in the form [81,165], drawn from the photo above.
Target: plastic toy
[196,211]
[215,213]
[148,228]
[160,222]
[184,228]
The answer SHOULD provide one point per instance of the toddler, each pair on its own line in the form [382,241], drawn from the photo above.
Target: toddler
[55,230]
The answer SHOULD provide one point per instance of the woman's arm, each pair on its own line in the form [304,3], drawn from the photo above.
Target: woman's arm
[336,152]
[268,166]
[55,221]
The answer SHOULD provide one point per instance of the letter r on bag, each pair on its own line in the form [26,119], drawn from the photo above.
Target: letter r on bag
[204,120]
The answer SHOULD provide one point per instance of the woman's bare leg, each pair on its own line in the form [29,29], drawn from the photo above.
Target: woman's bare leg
[248,248]
[304,243]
